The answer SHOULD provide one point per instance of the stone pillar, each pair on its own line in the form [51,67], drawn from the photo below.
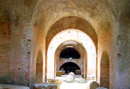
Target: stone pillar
[123,53]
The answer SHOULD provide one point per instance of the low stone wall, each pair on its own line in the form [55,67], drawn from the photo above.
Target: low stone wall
[6,86]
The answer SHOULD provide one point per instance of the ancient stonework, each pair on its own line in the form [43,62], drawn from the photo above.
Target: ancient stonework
[27,28]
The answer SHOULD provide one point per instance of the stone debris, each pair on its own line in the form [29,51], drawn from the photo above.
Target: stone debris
[59,73]
[92,84]
[57,82]
[70,77]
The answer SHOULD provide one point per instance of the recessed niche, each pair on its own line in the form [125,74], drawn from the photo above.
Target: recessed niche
[119,55]
[29,40]
[19,68]
[28,52]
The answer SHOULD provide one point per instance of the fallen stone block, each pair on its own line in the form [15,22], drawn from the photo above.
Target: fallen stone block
[92,85]
[57,82]
[70,77]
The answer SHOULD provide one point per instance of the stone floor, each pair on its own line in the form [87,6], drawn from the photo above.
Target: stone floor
[73,85]
[63,77]
[78,83]
[60,83]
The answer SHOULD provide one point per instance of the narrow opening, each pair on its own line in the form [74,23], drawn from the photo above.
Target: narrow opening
[70,53]
[70,67]
[39,68]
[104,75]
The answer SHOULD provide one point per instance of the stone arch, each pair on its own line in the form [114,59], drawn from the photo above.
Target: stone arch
[70,65]
[39,67]
[76,35]
[71,22]
[104,75]
[81,62]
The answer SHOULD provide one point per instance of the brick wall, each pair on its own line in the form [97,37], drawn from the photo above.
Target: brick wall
[5,41]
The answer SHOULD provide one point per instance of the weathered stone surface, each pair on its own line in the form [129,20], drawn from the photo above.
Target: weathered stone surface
[101,88]
[57,82]
[92,85]
[45,86]
[5,49]
[6,86]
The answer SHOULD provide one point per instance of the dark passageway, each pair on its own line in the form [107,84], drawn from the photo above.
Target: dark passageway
[69,67]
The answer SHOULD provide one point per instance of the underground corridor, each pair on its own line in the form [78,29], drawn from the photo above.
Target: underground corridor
[74,62]
[75,53]
[64,44]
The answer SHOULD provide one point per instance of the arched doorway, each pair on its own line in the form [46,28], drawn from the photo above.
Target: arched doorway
[70,67]
[71,51]
[75,35]
[39,68]
[104,75]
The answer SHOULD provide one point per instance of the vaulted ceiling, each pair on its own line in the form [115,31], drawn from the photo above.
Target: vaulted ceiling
[102,15]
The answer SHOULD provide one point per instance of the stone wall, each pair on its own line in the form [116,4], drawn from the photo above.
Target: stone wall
[6,86]
[5,49]
[106,43]
[123,48]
